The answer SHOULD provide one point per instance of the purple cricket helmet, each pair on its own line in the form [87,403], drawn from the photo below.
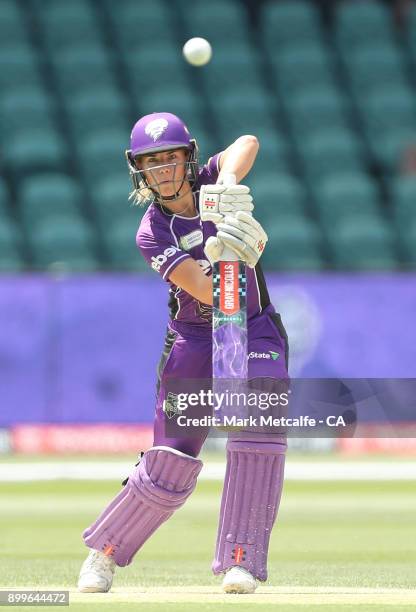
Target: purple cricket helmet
[159,132]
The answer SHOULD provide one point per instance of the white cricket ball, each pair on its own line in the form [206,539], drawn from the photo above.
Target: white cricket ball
[197,51]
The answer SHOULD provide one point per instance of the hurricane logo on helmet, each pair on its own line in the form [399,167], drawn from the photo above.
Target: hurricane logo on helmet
[156,128]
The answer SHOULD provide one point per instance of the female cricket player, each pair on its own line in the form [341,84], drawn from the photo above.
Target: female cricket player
[192,217]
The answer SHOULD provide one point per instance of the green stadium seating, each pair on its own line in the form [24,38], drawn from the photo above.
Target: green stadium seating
[11,259]
[24,109]
[97,110]
[68,24]
[320,108]
[48,195]
[217,21]
[10,240]
[12,28]
[230,65]
[83,67]
[408,239]
[274,153]
[184,104]
[101,151]
[294,244]
[138,24]
[331,100]
[110,198]
[360,22]
[375,65]
[288,22]
[278,196]
[345,195]
[388,147]
[301,67]
[122,252]
[330,152]
[390,108]
[404,200]
[19,68]
[237,115]
[367,243]
[64,242]
[154,69]
[36,149]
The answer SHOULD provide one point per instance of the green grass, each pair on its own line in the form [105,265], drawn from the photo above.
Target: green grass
[329,534]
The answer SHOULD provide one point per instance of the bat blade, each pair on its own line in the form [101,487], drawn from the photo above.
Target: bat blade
[229,333]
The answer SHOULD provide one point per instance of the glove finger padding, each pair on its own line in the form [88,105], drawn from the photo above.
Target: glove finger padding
[225,189]
[243,250]
[217,200]
[244,235]
[213,249]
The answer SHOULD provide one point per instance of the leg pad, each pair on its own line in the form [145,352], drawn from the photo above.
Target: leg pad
[159,485]
[250,500]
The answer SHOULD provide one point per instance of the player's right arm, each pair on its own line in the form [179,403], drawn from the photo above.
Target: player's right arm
[189,276]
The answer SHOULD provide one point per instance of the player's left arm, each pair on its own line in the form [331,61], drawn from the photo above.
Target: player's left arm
[239,157]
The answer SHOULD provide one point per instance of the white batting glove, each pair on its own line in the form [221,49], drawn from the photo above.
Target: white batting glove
[216,201]
[241,233]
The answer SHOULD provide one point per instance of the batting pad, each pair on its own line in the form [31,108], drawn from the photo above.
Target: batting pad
[250,500]
[158,486]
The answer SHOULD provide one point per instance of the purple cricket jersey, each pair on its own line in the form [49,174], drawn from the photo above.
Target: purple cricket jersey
[166,239]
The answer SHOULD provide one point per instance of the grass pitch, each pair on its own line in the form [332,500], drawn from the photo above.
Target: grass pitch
[336,546]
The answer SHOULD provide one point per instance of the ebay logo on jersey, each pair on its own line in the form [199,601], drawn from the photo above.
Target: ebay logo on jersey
[161,259]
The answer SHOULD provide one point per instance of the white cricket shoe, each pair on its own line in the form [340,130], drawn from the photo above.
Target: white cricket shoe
[238,580]
[96,575]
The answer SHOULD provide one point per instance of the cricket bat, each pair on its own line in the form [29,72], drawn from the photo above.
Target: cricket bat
[229,316]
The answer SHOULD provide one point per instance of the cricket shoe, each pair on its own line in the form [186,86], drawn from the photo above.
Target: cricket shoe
[238,580]
[96,575]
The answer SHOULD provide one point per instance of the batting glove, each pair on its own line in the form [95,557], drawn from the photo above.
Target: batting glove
[241,233]
[217,201]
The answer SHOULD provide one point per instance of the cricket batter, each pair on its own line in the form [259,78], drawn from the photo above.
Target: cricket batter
[180,238]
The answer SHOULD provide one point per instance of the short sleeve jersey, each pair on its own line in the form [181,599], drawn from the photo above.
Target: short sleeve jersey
[166,240]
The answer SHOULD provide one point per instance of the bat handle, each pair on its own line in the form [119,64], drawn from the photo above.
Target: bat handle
[228,254]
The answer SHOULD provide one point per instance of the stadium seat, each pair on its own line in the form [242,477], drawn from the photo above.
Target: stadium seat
[110,198]
[68,24]
[364,244]
[239,63]
[389,109]
[281,196]
[301,67]
[63,241]
[294,244]
[122,251]
[83,67]
[49,195]
[330,152]
[103,151]
[35,150]
[25,109]
[404,201]
[345,195]
[320,108]
[155,68]
[237,115]
[360,22]
[217,21]
[97,110]
[288,22]
[12,27]
[374,66]
[388,147]
[408,243]
[10,241]
[18,68]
